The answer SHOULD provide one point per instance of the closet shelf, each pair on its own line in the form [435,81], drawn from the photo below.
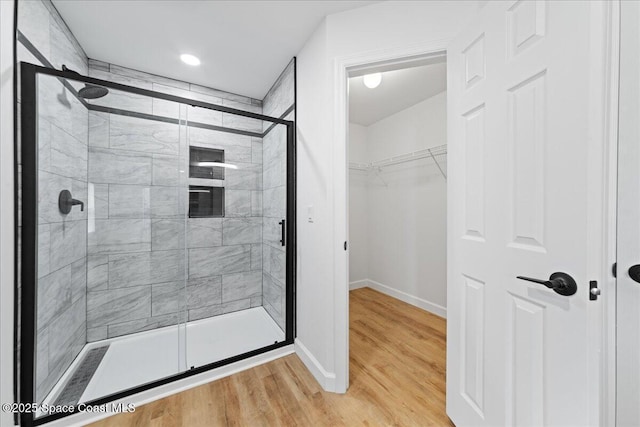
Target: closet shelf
[427,153]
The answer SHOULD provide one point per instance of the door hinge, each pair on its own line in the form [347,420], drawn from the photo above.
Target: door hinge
[345,245]
[593,290]
[614,269]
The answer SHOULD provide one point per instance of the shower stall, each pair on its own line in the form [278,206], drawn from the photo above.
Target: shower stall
[158,238]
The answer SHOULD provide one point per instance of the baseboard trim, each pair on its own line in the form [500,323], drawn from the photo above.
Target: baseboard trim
[357,284]
[436,309]
[327,380]
[84,418]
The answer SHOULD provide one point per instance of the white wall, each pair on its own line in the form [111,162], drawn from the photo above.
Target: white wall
[314,246]
[6,207]
[358,216]
[379,28]
[407,218]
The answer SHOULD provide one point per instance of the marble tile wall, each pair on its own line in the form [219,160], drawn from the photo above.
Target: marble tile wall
[62,164]
[279,99]
[150,266]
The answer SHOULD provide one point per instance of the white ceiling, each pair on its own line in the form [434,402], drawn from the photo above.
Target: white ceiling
[399,89]
[243,45]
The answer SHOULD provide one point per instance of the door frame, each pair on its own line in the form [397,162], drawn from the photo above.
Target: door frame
[610,48]
[342,67]
[602,204]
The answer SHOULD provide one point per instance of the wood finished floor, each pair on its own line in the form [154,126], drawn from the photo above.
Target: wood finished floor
[397,377]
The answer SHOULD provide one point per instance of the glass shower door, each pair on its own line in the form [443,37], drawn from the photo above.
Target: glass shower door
[137,229]
[60,224]
[237,214]
[111,241]
[155,237]
[275,222]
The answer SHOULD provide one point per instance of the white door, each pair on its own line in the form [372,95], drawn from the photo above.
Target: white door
[628,289]
[521,195]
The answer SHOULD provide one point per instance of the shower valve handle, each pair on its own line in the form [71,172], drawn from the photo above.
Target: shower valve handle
[78,202]
[66,202]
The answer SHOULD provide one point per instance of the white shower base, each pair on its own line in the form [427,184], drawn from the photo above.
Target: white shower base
[140,358]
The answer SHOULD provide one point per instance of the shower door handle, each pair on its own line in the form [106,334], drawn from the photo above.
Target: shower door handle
[282,232]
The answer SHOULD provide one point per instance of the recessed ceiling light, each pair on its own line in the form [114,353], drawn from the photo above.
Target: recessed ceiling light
[372,80]
[189,59]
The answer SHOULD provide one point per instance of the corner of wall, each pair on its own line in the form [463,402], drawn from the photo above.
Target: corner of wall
[314,244]
[327,380]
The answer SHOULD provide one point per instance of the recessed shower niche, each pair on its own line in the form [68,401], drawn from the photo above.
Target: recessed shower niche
[150,234]
[206,202]
[207,163]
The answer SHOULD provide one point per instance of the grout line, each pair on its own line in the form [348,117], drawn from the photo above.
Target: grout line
[52,124]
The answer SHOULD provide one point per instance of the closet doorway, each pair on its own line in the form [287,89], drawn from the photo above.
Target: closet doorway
[397,183]
[397,148]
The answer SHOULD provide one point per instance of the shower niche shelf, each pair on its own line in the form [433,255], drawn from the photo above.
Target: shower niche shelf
[200,161]
[206,202]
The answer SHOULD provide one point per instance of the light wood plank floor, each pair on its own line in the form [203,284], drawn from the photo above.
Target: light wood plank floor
[397,378]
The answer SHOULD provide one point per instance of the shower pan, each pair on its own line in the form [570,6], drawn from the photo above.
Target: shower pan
[158,238]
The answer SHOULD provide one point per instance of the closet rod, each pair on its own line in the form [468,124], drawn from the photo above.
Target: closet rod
[427,153]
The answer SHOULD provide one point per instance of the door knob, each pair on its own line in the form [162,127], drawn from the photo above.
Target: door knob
[561,283]
[634,272]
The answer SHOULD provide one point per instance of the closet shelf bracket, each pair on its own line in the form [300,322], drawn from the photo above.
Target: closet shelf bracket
[437,163]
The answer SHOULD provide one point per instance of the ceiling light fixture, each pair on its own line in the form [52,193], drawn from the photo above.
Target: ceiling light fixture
[189,59]
[372,80]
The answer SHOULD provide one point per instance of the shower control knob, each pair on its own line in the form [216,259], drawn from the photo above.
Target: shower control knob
[66,202]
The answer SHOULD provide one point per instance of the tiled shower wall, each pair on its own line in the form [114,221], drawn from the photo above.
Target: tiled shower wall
[137,227]
[279,102]
[62,164]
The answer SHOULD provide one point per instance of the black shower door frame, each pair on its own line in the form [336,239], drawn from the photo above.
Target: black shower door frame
[29,258]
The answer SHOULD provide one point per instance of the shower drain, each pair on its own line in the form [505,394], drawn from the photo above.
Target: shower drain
[73,389]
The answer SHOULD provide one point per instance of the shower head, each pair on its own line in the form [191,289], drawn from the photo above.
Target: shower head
[90,91]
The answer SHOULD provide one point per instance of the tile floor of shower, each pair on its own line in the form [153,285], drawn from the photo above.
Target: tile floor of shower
[140,358]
